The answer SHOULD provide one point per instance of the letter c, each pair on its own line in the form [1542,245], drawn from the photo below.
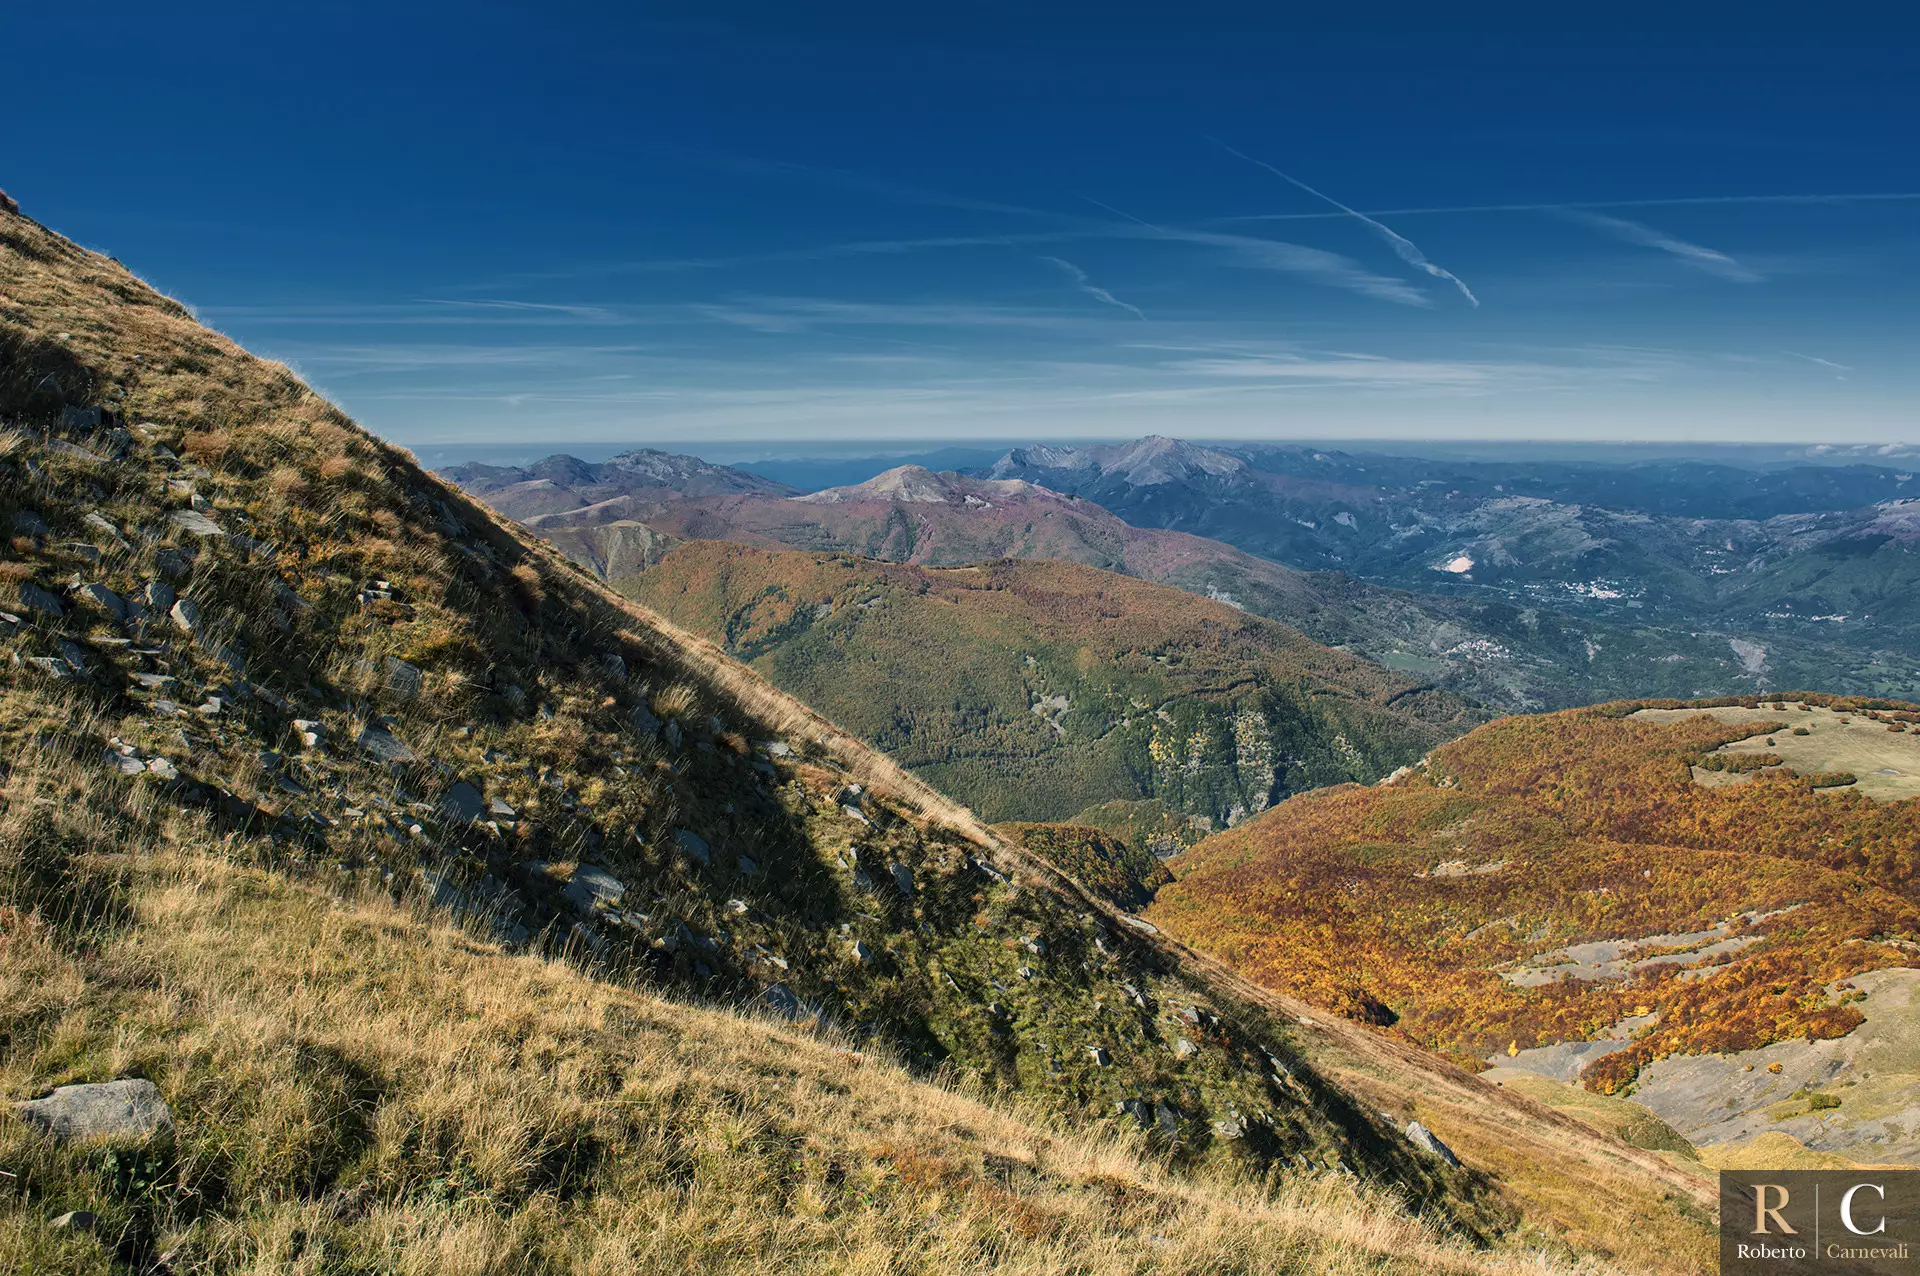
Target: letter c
[1846,1209]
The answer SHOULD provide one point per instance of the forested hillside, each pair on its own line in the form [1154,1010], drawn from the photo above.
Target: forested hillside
[1033,690]
[1583,877]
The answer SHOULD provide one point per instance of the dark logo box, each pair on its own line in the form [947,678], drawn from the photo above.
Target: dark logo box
[1822,1222]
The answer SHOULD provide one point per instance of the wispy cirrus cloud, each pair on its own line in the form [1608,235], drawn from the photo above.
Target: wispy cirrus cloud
[1329,268]
[1698,256]
[1326,268]
[428,312]
[1403,247]
[803,314]
[1672,201]
[1351,370]
[1085,285]
[1839,369]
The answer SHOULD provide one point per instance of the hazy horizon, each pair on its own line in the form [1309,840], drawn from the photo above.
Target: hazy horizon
[965,452]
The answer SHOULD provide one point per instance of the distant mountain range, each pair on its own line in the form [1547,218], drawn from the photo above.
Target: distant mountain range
[631,485]
[1547,604]
[1815,553]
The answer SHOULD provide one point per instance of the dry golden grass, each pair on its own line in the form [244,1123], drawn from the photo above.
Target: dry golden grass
[360,1085]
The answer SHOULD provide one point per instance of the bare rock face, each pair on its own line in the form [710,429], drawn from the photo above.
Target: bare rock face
[463,803]
[1423,1138]
[118,1111]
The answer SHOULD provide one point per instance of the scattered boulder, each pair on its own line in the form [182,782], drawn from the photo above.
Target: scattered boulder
[75,1221]
[195,522]
[160,596]
[74,417]
[162,768]
[100,523]
[172,564]
[1423,1138]
[592,886]
[312,733]
[1101,1059]
[383,746]
[35,598]
[499,809]
[645,721]
[28,523]
[462,803]
[693,845]
[902,878]
[106,600]
[401,678]
[748,865]
[112,1110]
[781,1000]
[186,615]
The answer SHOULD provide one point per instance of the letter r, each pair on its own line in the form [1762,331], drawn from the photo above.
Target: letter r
[1763,1211]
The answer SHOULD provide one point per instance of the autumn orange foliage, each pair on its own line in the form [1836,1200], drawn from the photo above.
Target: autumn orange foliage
[1534,833]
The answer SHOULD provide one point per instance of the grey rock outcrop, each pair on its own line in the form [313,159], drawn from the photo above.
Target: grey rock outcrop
[592,886]
[383,746]
[106,600]
[401,678]
[112,1110]
[693,845]
[462,803]
[195,522]
[1423,1138]
[35,598]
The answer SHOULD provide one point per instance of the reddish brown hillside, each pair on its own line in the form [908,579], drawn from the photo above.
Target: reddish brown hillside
[1452,896]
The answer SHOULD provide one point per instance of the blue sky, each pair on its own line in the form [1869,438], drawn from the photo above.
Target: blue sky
[484,223]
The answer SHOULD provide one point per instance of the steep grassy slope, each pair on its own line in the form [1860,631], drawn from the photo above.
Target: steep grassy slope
[235,623]
[1033,690]
[1548,882]
[361,1086]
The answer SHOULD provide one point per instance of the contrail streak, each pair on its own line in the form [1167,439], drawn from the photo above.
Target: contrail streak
[1710,260]
[1080,281]
[1407,250]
